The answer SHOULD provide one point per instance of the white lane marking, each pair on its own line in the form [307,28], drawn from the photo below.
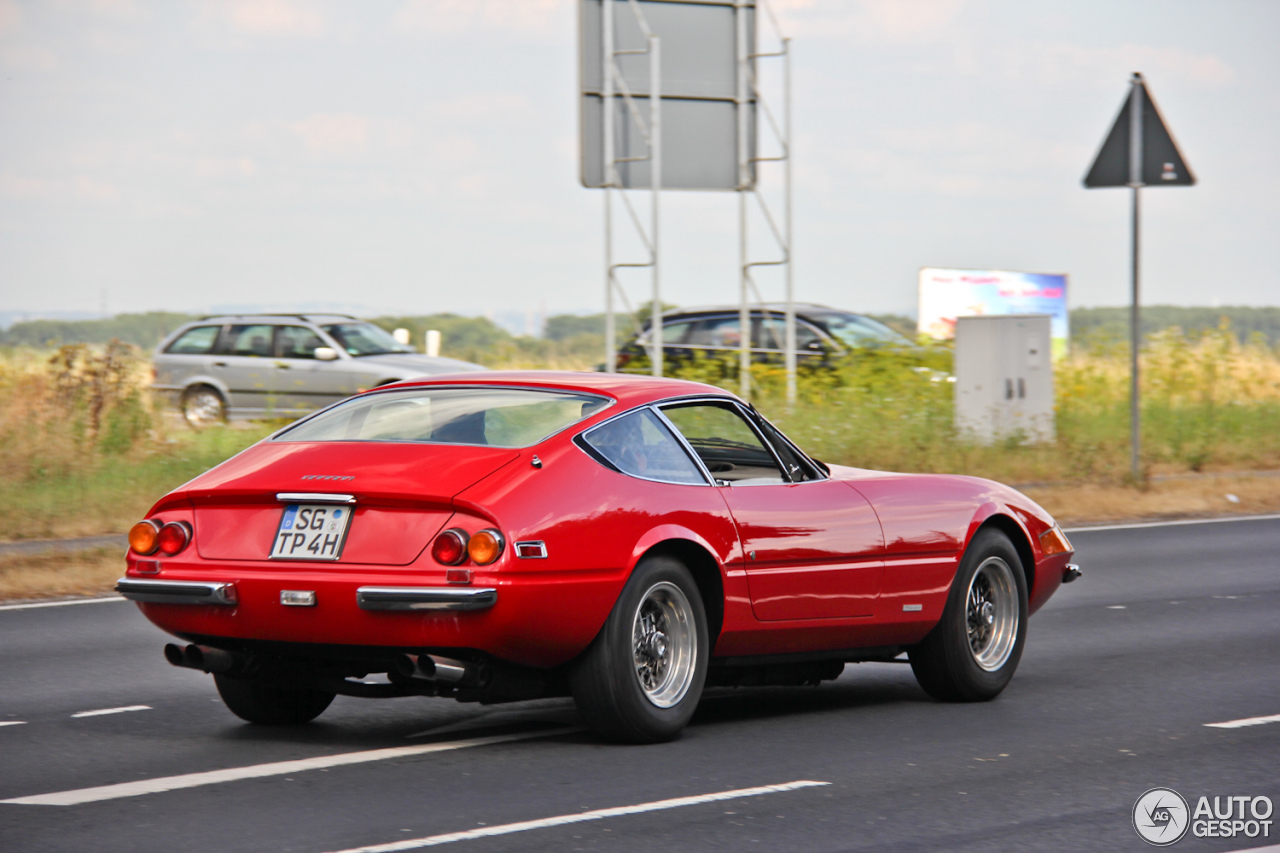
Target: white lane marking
[1270,848]
[257,771]
[1247,721]
[121,710]
[598,814]
[1116,607]
[36,604]
[1139,524]
[13,723]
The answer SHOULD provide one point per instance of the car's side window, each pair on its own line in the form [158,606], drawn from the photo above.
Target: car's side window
[798,468]
[297,342]
[674,333]
[726,443]
[197,341]
[718,332]
[771,333]
[247,340]
[640,444]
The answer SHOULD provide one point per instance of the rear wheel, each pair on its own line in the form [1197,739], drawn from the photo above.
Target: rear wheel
[268,705]
[972,652]
[640,680]
[202,407]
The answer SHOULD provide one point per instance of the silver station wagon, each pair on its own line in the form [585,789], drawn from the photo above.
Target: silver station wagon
[280,365]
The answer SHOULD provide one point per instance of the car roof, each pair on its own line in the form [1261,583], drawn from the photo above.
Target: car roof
[310,318]
[628,389]
[800,307]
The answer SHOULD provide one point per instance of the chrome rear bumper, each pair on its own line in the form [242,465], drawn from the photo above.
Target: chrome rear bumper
[425,598]
[178,592]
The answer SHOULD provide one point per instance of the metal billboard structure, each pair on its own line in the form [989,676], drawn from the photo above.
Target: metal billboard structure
[670,99]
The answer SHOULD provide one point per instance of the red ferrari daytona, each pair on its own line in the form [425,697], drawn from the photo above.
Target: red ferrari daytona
[624,540]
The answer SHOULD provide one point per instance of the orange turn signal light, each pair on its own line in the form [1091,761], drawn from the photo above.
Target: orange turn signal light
[144,537]
[1054,541]
[485,547]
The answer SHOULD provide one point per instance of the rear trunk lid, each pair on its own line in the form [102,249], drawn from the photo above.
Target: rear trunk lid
[403,495]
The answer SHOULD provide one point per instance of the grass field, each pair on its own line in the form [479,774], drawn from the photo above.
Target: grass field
[85,449]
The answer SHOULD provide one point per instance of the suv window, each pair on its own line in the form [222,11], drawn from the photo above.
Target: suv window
[771,333]
[297,342]
[247,340]
[720,332]
[725,442]
[196,341]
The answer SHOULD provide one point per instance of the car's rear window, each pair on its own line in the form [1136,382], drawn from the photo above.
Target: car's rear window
[497,417]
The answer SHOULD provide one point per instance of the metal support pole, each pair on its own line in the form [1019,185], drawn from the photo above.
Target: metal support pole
[655,181]
[606,111]
[744,182]
[791,305]
[1135,327]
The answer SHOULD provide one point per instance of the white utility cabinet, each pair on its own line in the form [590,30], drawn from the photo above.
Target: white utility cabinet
[1004,377]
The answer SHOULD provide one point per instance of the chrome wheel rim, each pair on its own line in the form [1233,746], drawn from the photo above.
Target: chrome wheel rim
[664,644]
[991,614]
[203,408]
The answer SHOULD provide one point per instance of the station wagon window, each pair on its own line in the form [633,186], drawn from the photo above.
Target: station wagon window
[247,340]
[719,332]
[641,445]
[726,443]
[771,333]
[197,341]
[297,342]
[497,417]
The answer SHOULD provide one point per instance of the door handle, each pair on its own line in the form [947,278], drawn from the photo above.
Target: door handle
[282,365]
[219,364]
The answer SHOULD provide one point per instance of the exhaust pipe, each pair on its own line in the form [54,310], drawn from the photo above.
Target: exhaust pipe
[203,658]
[434,668]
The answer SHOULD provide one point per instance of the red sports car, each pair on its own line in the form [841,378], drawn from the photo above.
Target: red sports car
[621,539]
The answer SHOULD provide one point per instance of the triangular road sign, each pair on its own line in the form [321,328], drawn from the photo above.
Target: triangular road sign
[1159,162]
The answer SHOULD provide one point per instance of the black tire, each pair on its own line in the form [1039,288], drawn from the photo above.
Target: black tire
[271,706]
[203,407]
[659,618]
[973,651]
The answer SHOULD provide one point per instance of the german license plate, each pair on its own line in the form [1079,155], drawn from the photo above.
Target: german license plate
[311,532]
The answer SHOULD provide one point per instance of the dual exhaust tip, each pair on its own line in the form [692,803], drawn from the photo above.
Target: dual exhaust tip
[417,667]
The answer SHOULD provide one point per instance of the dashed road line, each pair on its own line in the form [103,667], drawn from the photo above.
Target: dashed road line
[13,722]
[35,604]
[257,771]
[598,814]
[1247,721]
[104,711]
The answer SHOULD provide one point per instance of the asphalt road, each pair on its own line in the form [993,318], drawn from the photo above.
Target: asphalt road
[1172,628]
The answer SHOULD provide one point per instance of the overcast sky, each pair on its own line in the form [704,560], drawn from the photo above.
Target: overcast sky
[421,155]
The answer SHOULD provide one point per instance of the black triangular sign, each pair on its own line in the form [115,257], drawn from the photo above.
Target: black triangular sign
[1162,163]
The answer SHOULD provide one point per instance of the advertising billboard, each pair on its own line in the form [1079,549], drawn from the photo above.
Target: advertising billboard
[946,294]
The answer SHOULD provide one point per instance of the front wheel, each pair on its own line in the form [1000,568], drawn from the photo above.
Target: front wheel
[642,677]
[268,705]
[972,652]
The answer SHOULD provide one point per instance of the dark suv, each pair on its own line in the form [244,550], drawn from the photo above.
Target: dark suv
[822,334]
[278,365]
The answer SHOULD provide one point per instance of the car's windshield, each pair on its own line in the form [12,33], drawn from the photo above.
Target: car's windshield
[857,331]
[497,417]
[365,339]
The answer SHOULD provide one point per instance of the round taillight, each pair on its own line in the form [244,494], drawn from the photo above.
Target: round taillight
[142,537]
[173,537]
[450,547]
[485,547]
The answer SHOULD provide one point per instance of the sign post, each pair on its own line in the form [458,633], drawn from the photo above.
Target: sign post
[1138,152]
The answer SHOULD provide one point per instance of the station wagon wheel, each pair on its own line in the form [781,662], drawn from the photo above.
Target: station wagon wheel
[642,676]
[270,705]
[973,651]
[202,407]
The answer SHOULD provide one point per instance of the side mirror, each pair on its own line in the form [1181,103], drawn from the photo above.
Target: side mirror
[326,353]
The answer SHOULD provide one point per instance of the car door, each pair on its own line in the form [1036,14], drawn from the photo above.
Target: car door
[304,381]
[813,548]
[242,362]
